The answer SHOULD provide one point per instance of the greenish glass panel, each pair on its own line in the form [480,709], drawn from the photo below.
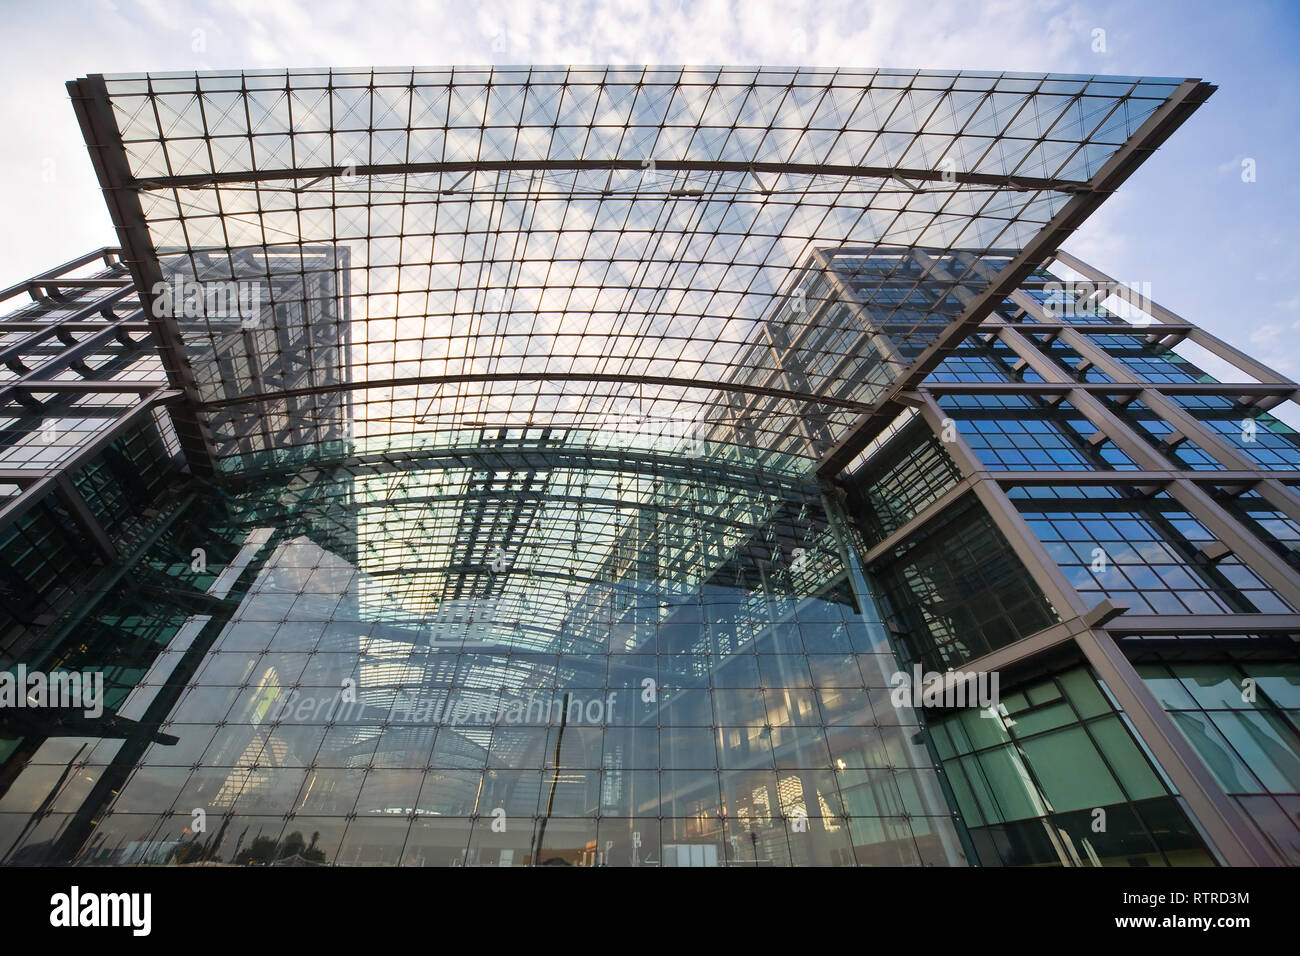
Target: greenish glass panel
[1043,693]
[1281,682]
[1174,833]
[966,802]
[1233,775]
[1070,770]
[1123,842]
[1084,693]
[1012,788]
[981,789]
[982,731]
[942,742]
[961,742]
[1127,760]
[1214,686]
[1266,745]
[1167,689]
[1014,702]
[1041,719]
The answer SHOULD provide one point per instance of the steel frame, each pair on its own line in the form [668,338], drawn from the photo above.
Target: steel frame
[37,484]
[1093,630]
[1158,127]
[1227,830]
[99,128]
[36,392]
[762,175]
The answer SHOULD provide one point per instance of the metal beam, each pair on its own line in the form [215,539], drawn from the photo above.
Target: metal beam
[664,380]
[950,179]
[85,282]
[84,517]
[44,331]
[1154,397]
[30,325]
[918,521]
[1046,573]
[522,456]
[104,141]
[1198,335]
[1274,570]
[1158,127]
[35,380]
[47,483]
[22,477]
[1261,559]
[1226,828]
[1278,494]
[85,386]
[107,254]
[1246,389]
[1173,624]
[1091,328]
[1017,652]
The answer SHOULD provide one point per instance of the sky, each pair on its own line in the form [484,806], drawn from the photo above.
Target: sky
[1214,245]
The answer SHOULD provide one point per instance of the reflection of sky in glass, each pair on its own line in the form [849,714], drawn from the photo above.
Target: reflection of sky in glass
[493,249]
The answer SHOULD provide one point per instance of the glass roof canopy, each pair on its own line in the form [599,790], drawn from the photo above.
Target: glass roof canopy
[629,256]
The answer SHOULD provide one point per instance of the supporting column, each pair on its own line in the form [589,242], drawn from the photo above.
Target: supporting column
[1280,576]
[1229,833]
[84,517]
[1278,495]
[1253,368]
[95,114]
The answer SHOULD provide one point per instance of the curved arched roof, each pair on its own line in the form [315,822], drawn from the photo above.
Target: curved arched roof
[748,260]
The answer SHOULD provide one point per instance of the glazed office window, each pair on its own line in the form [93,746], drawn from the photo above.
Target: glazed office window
[1182,451]
[1146,362]
[126,477]
[1270,443]
[1141,550]
[1070,361]
[1243,718]
[1059,755]
[1024,433]
[1272,526]
[971,361]
[956,590]
[44,561]
[766,740]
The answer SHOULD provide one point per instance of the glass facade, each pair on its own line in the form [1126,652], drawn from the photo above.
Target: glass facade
[1034,783]
[712,689]
[1145,550]
[1242,717]
[618,467]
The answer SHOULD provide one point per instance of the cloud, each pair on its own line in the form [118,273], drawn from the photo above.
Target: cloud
[1266,335]
[46,175]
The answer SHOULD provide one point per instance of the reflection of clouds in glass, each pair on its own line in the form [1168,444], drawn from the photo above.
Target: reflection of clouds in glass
[555,262]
